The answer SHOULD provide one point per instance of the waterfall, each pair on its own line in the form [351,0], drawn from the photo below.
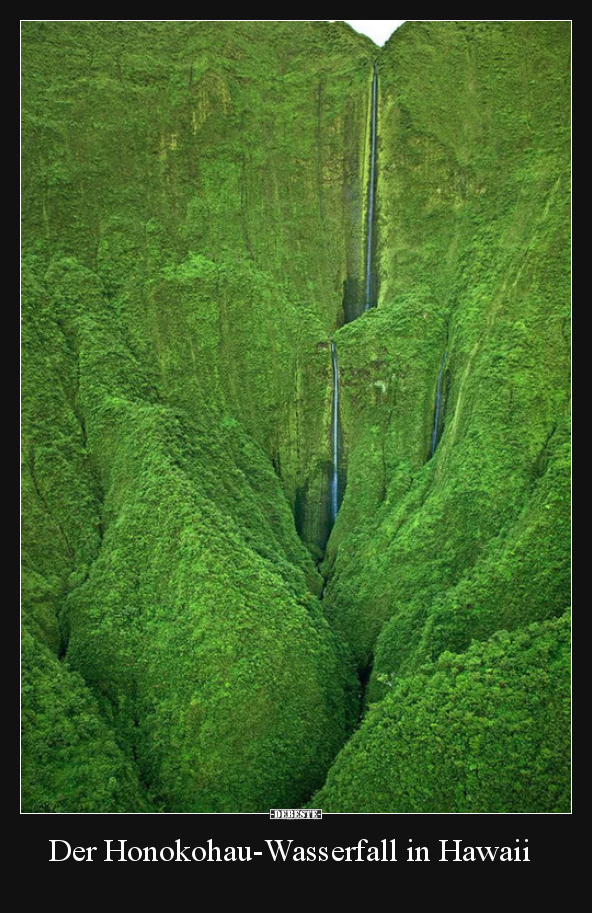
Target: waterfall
[438,407]
[371,194]
[368,302]
[335,436]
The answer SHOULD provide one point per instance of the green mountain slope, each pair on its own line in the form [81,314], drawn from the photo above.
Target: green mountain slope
[480,731]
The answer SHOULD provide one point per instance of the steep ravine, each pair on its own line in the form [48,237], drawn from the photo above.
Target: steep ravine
[205,422]
[339,458]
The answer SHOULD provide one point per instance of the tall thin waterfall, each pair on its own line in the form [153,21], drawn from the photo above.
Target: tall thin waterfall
[438,409]
[335,436]
[371,194]
[368,302]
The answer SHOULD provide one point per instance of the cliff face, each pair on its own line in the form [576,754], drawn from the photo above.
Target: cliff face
[194,201]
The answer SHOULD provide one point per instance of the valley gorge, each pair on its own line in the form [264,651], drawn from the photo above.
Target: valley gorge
[295,415]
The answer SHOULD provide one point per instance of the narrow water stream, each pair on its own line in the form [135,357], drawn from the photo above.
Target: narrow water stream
[368,301]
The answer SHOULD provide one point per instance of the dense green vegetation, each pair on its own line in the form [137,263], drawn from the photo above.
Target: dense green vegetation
[194,210]
[485,729]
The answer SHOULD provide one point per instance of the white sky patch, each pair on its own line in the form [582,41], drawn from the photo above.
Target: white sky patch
[379,30]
